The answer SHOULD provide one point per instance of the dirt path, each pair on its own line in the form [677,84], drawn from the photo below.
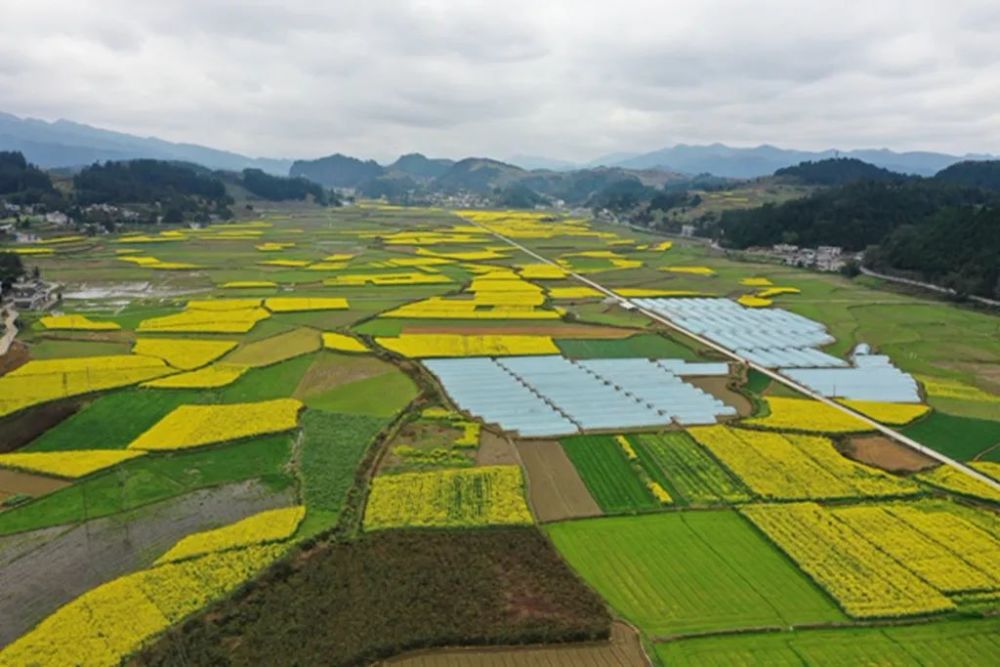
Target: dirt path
[554,487]
[10,331]
[622,650]
[495,450]
[42,570]
[881,452]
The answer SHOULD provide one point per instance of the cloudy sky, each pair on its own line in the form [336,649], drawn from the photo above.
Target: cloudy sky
[569,79]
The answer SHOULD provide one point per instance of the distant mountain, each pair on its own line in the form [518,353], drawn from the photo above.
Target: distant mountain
[836,171]
[531,162]
[64,143]
[722,160]
[337,171]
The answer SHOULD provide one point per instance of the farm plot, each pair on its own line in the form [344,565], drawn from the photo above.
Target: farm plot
[803,414]
[608,475]
[867,582]
[60,565]
[789,466]
[490,495]
[964,642]
[276,348]
[955,481]
[555,488]
[390,591]
[963,438]
[691,470]
[689,572]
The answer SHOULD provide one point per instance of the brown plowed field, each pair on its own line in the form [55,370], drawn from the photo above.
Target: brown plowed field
[622,650]
[554,488]
[719,387]
[881,452]
[14,481]
[559,330]
[495,450]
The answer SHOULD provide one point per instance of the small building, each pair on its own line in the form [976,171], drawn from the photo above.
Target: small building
[34,294]
[687,230]
[57,218]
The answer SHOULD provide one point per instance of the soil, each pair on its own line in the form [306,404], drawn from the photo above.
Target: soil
[42,570]
[560,330]
[881,452]
[621,650]
[17,355]
[719,387]
[495,450]
[21,428]
[555,489]
[14,481]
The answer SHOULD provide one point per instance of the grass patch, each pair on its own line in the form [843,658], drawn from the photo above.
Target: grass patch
[47,348]
[262,384]
[648,346]
[332,446]
[275,349]
[607,474]
[113,420]
[392,591]
[969,642]
[963,438]
[690,571]
[379,396]
[151,478]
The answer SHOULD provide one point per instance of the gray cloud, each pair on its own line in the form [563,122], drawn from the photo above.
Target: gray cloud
[568,79]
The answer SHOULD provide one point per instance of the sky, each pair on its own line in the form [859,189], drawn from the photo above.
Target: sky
[569,79]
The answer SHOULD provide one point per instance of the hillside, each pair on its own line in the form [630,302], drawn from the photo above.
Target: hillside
[836,171]
[984,174]
[337,171]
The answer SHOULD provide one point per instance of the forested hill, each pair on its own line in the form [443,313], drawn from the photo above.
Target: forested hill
[836,171]
[984,174]
[942,233]
[21,182]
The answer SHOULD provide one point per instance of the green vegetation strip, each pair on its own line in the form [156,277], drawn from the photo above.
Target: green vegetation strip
[965,642]
[963,438]
[331,448]
[607,474]
[148,479]
[649,346]
[690,469]
[682,572]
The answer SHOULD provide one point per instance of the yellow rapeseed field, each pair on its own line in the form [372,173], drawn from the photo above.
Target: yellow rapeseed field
[956,481]
[867,582]
[785,466]
[751,301]
[206,320]
[755,282]
[387,279]
[106,624]
[467,345]
[241,284]
[581,292]
[197,425]
[69,464]
[284,262]
[541,271]
[77,321]
[48,379]
[886,412]
[946,388]
[268,526]
[488,495]
[210,377]
[343,343]
[695,270]
[291,304]
[183,353]
[804,414]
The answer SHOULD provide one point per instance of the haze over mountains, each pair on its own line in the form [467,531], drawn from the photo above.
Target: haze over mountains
[64,143]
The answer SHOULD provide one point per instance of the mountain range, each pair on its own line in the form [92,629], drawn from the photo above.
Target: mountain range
[64,143]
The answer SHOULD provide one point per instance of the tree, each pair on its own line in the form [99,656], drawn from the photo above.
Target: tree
[11,268]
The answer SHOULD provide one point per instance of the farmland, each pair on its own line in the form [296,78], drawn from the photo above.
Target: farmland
[365,431]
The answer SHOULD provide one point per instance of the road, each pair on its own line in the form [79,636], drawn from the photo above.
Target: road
[774,375]
[928,286]
[10,331]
